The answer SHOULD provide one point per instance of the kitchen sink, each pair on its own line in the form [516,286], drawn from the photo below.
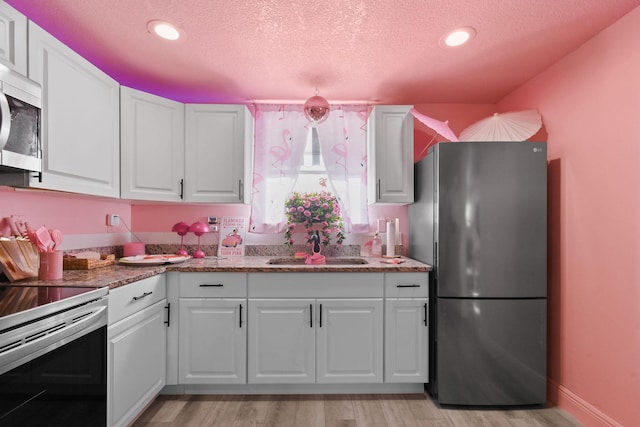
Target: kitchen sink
[328,261]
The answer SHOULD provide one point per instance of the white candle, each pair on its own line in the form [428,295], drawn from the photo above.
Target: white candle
[391,238]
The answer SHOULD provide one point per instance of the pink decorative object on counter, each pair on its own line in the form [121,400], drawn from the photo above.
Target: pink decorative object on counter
[50,265]
[199,228]
[181,228]
[133,248]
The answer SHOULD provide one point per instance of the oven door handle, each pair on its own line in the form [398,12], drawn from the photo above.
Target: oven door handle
[25,343]
[5,120]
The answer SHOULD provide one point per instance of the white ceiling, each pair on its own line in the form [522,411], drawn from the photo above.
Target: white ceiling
[373,51]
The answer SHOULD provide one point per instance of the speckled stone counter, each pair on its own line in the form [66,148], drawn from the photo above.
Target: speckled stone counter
[253,264]
[119,275]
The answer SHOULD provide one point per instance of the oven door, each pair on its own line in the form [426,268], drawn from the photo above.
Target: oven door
[60,377]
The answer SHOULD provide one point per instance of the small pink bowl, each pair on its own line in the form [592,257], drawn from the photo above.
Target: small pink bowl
[133,248]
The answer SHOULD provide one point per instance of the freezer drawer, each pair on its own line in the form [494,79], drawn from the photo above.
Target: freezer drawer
[491,352]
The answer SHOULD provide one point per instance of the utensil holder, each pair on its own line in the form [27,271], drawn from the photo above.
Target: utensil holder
[50,265]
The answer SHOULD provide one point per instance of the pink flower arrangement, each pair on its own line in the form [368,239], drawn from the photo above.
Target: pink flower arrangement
[314,210]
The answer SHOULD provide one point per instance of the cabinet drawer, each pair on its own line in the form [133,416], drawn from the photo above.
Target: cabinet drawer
[406,285]
[316,285]
[129,299]
[213,285]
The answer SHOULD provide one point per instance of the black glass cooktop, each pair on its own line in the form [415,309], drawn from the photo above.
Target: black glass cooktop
[19,298]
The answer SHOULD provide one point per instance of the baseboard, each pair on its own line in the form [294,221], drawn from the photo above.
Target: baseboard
[295,389]
[581,410]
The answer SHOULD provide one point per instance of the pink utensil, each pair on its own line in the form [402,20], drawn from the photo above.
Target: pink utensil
[44,239]
[181,228]
[56,236]
[199,228]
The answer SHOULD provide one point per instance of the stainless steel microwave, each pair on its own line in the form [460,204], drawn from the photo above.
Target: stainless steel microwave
[20,114]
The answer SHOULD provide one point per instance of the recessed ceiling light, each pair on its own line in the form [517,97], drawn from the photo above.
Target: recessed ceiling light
[457,37]
[163,29]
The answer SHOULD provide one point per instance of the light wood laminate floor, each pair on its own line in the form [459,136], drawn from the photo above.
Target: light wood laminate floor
[335,410]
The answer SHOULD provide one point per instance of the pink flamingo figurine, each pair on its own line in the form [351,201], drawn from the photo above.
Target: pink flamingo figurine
[282,152]
[181,228]
[199,228]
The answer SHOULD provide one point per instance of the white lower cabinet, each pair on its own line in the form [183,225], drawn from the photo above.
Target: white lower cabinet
[298,329]
[406,340]
[136,361]
[212,328]
[315,328]
[212,341]
[310,340]
[281,341]
[349,341]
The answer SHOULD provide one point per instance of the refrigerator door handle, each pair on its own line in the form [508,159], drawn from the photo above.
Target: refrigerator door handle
[435,261]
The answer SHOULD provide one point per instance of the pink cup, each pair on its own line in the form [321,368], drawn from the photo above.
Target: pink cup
[133,248]
[50,265]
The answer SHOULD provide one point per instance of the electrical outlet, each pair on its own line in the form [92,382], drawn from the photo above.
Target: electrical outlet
[213,228]
[113,219]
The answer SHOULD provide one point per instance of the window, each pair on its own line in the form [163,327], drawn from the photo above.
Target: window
[291,155]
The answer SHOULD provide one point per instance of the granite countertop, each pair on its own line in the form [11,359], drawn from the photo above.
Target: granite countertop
[119,275]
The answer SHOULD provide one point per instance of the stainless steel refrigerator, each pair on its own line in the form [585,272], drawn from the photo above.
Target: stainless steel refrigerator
[480,218]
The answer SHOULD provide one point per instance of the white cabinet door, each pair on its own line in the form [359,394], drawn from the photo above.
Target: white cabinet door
[212,341]
[152,146]
[80,119]
[136,363]
[13,39]
[406,340]
[390,154]
[349,338]
[218,140]
[281,341]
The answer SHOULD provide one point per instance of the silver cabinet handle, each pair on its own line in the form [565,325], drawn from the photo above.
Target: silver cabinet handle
[240,190]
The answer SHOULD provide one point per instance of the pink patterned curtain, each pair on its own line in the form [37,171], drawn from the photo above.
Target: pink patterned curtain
[343,144]
[279,142]
[281,133]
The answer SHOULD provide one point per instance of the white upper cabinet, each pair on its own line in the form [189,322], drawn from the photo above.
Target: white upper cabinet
[152,147]
[218,140]
[390,154]
[13,39]
[174,152]
[80,119]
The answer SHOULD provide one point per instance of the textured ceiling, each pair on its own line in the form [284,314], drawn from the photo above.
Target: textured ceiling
[373,51]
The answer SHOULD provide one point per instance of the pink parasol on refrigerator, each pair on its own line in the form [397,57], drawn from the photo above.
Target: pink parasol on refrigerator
[515,126]
[441,128]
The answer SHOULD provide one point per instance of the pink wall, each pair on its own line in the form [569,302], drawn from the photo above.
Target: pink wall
[590,102]
[75,214]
